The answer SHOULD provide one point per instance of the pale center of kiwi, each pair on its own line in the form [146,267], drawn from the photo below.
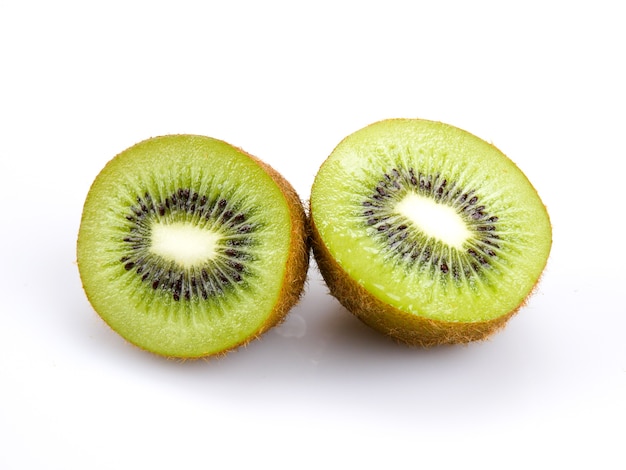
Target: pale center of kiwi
[436,220]
[184,243]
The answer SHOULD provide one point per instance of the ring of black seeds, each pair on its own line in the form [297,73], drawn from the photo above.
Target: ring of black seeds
[405,243]
[215,276]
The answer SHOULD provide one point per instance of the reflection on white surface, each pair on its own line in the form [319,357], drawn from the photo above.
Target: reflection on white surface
[293,327]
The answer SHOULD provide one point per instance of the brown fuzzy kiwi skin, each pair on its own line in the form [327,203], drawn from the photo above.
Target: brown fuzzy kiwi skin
[405,328]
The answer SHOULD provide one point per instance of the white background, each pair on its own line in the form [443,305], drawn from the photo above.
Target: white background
[82,81]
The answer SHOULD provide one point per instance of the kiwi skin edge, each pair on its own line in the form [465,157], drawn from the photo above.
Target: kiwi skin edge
[299,249]
[403,327]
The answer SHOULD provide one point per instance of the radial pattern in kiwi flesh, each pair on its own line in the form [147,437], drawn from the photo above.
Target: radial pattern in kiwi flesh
[426,232]
[189,247]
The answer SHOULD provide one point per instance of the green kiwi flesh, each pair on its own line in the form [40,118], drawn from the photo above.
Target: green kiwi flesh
[426,232]
[189,247]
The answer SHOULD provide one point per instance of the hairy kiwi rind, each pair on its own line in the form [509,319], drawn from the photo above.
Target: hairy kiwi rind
[403,327]
[295,272]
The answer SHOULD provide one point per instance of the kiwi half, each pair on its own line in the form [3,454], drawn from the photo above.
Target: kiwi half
[190,247]
[426,232]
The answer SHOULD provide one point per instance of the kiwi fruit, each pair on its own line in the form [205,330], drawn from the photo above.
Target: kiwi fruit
[189,247]
[426,232]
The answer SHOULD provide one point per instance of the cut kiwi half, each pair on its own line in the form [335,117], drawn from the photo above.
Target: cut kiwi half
[426,232]
[189,247]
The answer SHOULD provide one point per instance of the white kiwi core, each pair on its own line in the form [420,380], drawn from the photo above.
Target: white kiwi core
[434,219]
[183,243]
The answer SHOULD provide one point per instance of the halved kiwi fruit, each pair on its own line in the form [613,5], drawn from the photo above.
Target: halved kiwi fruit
[190,247]
[426,232]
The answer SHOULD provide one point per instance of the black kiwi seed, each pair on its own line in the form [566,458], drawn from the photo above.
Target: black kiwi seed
[226,215]
[238,219]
